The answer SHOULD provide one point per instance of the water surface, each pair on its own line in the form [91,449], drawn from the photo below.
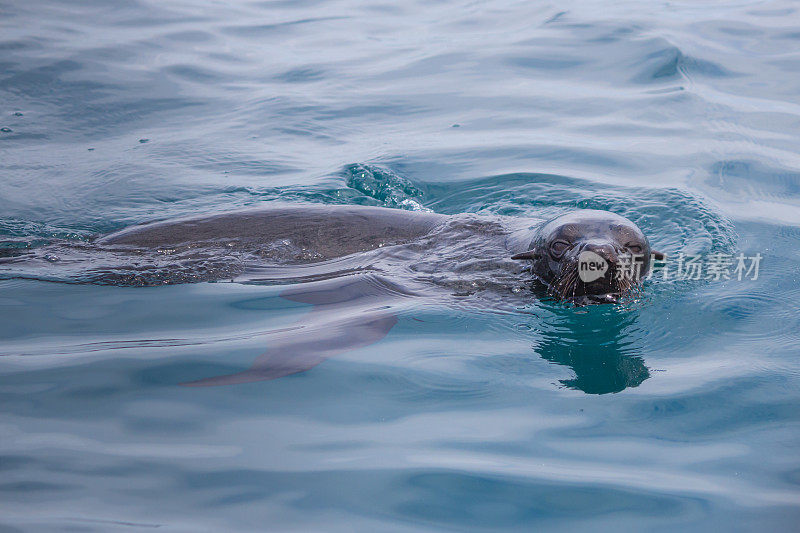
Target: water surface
[680,411]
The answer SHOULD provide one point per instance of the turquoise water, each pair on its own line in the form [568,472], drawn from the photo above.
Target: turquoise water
[681,410]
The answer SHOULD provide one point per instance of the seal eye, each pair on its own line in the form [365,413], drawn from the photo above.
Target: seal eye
[558,247]
[634,248]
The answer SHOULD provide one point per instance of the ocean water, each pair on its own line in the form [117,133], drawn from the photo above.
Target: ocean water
[501,411]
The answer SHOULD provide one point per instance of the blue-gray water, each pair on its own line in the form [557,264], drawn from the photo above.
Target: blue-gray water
[679,412]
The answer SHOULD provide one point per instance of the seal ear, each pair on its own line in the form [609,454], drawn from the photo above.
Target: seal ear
[658,256]
[530,254]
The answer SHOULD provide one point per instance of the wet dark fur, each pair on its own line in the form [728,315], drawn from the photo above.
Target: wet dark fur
[557,245]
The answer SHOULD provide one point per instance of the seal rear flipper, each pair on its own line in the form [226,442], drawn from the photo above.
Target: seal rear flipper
[299,351]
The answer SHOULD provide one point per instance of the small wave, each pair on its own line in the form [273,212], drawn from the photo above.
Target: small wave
[83,262]
[673,219]
[759,190]
[757,316]
[669,63]
[16,236]
[384,185]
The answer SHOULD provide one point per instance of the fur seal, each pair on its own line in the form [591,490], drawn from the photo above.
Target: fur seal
[358,267]
[558,249]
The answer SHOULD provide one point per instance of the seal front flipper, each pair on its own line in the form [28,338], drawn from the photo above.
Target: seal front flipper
[303,349]
[348,313]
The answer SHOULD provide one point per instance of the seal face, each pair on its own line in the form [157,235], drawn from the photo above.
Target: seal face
[591,255]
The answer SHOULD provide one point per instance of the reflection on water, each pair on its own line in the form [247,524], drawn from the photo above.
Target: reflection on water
[600,344]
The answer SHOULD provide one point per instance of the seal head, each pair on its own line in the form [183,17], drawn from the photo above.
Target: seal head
[592,255]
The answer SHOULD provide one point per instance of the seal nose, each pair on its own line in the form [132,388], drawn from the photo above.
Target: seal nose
[604,249]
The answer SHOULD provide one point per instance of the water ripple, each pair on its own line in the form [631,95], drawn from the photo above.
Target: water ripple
[484,407]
